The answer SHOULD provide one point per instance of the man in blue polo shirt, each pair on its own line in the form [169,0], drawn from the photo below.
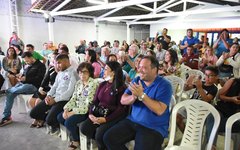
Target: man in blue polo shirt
[147,124]
[189,40]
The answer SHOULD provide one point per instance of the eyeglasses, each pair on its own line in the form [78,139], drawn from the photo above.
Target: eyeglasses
[210,75]
[83,72]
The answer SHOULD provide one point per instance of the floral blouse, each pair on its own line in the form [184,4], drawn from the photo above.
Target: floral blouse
[82,96]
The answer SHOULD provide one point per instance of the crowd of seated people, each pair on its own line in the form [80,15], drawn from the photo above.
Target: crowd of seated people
[132,74]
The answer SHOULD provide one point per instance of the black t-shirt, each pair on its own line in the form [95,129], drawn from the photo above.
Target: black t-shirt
[230,108]
[163,42]
[208,90]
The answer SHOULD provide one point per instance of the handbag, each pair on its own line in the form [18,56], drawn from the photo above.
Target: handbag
[100,111]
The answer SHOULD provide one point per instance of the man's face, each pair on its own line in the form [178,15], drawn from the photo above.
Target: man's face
[164,32]
[189,33]
[28,60]
[29,49]
[62,64]
[189,50]
[146,72]
[45,46]
[210,77]
[105,52]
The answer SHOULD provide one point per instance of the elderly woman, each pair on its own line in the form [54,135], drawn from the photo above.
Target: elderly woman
[106,109]
[75,111]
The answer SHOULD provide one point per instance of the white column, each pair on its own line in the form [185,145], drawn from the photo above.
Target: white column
[50,31]
[96,28]
[128,33]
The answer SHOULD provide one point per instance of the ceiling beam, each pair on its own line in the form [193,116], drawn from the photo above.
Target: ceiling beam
[185,20]
[82,16]
[61,5]
[167,5]
[109,13]
[102,7]
[39,11]
[187,12]
[145,7]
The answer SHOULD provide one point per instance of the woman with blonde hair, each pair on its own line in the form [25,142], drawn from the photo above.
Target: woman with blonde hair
[209,58]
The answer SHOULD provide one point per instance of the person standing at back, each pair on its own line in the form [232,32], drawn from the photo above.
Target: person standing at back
[163,38]
[223,43]
[189,40]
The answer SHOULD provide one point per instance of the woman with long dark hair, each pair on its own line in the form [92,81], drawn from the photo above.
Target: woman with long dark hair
[12,65]
[91,57]
[106,109]
[170,64]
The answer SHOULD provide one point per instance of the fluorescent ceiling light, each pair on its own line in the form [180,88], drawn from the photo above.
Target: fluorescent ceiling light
[100,2]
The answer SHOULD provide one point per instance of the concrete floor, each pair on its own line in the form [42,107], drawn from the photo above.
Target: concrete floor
[18,135]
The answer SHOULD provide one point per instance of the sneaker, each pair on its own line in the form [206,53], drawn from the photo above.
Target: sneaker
[2,93]
[48,129]
[5,121]
[55,131]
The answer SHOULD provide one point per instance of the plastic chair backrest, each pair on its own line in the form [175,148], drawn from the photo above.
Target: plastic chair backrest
[81,58]
[194,72]
[183,69]
[231,120]
[197,112]
[177,86]
[172,103]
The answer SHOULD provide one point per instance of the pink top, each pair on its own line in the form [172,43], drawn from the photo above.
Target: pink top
[97,69]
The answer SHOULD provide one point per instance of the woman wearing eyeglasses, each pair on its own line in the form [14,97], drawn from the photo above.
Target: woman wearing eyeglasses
[106,109]
[75,111]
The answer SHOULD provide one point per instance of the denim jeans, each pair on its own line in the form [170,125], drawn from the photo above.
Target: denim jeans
[71,124]
[12,92]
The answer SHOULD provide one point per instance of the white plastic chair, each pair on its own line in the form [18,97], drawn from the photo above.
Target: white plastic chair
[23,98]
[183,69]
[194,72]
[64,133]
[197,112]
[81,58]
[231,120]
[177,86]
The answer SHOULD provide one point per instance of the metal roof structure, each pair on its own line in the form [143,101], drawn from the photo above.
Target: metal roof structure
[139,11]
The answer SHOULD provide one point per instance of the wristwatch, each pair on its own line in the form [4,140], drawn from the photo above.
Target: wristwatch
[140,98]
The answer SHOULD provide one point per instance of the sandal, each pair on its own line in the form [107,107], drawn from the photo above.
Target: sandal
[34,124]
[40,124]
[73,146]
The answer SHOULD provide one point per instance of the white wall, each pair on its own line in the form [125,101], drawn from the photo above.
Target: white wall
[35,31]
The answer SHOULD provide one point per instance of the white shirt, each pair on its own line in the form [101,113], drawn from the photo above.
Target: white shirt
[63,86]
